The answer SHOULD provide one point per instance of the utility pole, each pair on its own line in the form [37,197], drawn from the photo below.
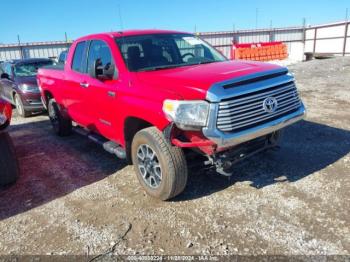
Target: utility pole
[233,33]
[304,29]
[20,47]
[271,33]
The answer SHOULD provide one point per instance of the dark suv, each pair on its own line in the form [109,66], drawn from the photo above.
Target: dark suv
[18,84]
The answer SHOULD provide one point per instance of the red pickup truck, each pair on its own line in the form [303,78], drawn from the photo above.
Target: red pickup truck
[156,98]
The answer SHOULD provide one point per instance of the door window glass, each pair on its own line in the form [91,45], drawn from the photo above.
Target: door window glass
[77,64]
[99,50]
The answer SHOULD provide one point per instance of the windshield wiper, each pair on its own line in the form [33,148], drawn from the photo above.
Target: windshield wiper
[207,62]
[204,62]
[154,68]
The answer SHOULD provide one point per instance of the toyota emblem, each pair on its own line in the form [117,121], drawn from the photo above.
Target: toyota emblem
[270,104]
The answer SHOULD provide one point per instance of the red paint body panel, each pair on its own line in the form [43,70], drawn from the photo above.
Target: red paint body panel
[6,110]
[137,94]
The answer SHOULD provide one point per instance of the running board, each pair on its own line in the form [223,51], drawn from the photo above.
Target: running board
[109,146]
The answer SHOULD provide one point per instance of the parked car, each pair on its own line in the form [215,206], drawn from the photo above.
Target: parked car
[18,84]
[9,170]
[62,57]
[156,97]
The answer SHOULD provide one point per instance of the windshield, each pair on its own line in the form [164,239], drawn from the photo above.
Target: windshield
[31,68]
[161,51]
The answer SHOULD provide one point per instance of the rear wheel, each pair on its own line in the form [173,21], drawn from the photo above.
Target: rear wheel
[20,108]
[61,124]
[8,161]
[161,168]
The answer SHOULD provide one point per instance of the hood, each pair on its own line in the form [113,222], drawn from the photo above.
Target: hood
[193,82]
[29,80]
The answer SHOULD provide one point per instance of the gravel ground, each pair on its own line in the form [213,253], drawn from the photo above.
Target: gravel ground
[74,198]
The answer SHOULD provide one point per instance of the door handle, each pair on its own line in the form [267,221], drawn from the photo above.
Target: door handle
[111,93]
[84,85]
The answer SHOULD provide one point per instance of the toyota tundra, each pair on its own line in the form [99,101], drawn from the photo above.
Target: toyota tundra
[156,97]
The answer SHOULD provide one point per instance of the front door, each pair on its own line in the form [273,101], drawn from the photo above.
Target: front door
[102,94]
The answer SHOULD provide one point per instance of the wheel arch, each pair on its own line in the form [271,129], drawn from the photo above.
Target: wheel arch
[131,126]
[47,96]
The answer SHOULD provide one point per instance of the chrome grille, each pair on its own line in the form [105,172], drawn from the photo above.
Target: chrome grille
[246,111]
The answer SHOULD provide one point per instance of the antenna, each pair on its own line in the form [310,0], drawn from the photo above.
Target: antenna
[124,46]
[120,17]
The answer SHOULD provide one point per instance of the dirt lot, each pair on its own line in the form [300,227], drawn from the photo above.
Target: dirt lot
[74,198]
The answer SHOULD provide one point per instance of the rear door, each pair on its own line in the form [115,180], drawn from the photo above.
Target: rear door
[102,94]
[75,86]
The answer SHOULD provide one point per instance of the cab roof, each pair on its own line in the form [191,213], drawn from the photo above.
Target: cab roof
[134,32]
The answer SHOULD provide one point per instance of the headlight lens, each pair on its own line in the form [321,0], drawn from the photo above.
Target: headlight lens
[28,88]
[187,115]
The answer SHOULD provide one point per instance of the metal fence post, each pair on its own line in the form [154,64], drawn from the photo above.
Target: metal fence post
[315,40]
[345,37]
[304,31]
[271,35]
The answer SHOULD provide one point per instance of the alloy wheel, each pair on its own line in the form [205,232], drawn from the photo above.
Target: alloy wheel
[149,166]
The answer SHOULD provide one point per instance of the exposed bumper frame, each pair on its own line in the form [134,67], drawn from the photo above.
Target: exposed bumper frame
[224,140]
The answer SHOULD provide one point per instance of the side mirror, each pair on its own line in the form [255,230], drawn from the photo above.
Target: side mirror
[5,75]
[101,72]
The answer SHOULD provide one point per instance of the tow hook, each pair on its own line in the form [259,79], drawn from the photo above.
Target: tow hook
[225,161]
[223,166]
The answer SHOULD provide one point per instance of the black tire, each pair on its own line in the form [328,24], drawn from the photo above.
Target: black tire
[170,159]
[8,161]
[62,125]
[20,108]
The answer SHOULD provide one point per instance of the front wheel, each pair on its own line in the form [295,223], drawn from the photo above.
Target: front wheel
[161,168]
[20,108]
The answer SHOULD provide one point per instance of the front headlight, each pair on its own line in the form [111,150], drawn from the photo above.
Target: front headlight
[29,89]
[187,115]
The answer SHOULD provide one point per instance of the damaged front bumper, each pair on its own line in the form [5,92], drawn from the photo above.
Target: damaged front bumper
[226,140]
